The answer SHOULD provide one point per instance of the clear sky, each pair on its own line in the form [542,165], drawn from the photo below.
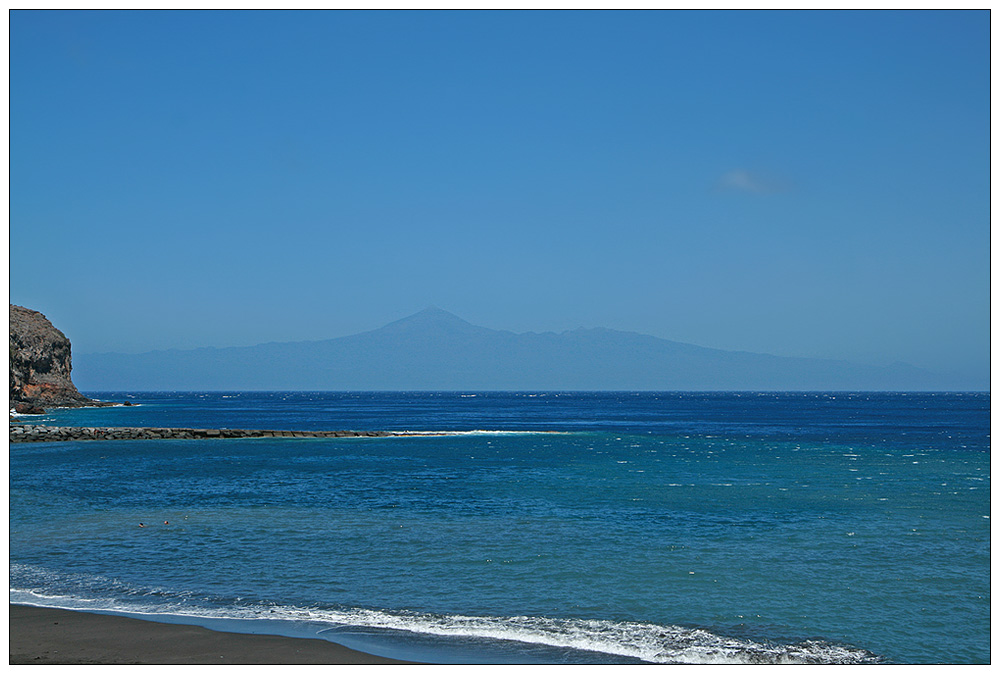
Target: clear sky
[797,183]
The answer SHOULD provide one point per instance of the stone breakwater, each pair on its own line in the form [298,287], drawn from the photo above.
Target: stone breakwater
[35,433]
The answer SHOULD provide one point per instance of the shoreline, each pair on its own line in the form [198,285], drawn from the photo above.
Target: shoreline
[54,636]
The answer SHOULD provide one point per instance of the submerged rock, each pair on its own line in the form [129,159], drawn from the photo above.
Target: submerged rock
[28,408]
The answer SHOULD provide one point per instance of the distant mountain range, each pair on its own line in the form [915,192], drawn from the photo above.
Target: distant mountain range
[436,350]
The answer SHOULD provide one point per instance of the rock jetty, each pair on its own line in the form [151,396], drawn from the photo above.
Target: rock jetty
[36,433]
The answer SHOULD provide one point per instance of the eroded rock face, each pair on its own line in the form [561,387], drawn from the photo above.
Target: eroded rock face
[40,364]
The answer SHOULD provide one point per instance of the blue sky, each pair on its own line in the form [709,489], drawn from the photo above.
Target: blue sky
[797,183]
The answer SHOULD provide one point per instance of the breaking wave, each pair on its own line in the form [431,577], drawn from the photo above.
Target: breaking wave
[642,641]
[476,432]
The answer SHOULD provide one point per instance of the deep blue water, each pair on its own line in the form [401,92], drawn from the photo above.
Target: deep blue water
[666,527]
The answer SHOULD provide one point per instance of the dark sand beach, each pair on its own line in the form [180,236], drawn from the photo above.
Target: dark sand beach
[46,636]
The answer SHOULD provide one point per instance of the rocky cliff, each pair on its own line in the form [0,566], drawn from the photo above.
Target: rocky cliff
[40,364]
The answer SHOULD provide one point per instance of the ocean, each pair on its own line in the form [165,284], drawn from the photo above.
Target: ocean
[545,528]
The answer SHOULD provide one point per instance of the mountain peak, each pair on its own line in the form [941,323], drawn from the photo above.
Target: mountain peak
[437,312]
[431,320]
[430,315]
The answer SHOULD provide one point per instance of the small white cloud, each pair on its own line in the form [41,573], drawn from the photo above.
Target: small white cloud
[741,180]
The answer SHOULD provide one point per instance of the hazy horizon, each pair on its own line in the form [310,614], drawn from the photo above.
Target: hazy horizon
[434,310]
[434,350]
[796,183]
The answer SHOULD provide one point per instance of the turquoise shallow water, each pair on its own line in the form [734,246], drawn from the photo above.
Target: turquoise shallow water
[652,527]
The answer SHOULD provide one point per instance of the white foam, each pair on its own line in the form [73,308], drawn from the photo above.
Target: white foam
[476,432]
[643,641]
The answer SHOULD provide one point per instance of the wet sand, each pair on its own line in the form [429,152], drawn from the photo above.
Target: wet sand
[45,636]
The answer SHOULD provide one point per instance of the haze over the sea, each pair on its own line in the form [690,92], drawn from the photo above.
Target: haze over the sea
[807,184]
[434,350]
